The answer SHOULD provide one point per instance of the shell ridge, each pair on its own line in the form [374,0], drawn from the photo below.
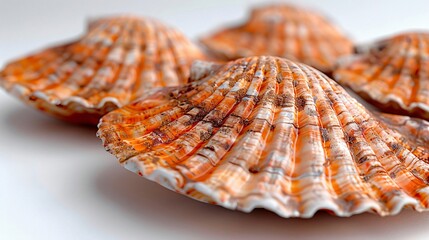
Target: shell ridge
[78,78]
[47,97]
[52,74]
[241,162]
[110,65]
[337,154]
[384,162]
[103,67]
[111,136]
[314,47]
[213,91]
[260,126]
[423,75]
[400,83]
[235,198]
[206,184]
[418,74]
[407,126]
[282,30]
[180,55]
[272,163]
[127,75]
[177,57]
[37,74]
[295,43]
[354,133]
[219,125]
[231,116]
[392,55]
[167,74]
[406,136]
[321,186]
[406,74]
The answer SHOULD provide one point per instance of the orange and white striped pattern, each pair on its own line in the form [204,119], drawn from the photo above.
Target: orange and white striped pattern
[285,31]
[391,74]
[117,60]
[266,132]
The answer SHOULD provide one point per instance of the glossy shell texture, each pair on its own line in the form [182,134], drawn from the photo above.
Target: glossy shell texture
[266,132]
[285,31]
[115,61]
[391,74]
[414,129]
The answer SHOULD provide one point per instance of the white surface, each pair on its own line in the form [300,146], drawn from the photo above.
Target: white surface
[57,182]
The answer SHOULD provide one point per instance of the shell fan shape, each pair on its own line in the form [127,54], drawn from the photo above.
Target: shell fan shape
[114,62]
[391,74]
[284,31]
[266,132]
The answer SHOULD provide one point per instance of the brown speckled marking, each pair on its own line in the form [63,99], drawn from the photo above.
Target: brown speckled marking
[116,61]
[301,143]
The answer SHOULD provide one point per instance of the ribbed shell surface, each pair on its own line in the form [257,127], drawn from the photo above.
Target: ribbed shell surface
[285,31]
[392,74]
[266,132]
[116,60]
[414,129]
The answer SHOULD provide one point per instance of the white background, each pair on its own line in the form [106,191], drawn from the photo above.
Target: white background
[57,182]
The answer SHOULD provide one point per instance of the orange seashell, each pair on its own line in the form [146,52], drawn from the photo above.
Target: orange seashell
[266,132]
[285,31]
[414,129]
[117,60]
[391,74]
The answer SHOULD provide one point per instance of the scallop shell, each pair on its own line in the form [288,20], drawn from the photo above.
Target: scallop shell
[117,60]
[266,132]
[414,129]
[392,74]
[285,31]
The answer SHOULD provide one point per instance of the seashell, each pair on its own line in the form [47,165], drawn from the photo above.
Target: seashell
[117,60]
[414,129]
[285,31]
[392,74]
[266,132]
